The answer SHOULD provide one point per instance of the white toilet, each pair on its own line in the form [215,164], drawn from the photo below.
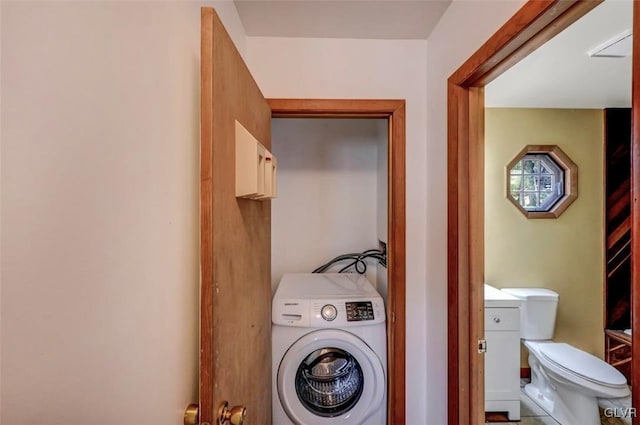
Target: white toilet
[565,381]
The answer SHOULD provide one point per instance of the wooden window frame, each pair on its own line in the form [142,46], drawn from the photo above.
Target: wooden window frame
[533,25]
[570,180]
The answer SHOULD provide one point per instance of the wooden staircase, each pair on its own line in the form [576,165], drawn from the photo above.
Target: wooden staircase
[617,287]
[618,228]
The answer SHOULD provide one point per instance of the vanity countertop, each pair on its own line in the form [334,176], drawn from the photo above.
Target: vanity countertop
[494,297]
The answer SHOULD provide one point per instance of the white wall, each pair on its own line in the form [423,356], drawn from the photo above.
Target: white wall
[460,32]
[339,68]
[327,192]
[99,196]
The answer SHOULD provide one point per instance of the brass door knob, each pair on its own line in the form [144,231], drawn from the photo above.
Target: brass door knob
[192,415]
[233,416]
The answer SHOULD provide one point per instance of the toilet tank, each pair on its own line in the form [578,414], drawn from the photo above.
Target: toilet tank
[537,312]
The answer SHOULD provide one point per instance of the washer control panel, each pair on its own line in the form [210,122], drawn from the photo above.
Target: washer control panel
[329,312]
[359,311]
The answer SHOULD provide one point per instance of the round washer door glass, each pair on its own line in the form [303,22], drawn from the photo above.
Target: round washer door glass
[336,362]
[329,382]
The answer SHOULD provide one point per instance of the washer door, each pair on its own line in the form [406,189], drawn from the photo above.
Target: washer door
[332,377]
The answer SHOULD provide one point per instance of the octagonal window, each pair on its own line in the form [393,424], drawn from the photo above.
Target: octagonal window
[542,181]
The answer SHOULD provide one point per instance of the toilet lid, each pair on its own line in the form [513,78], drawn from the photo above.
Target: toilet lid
[583,364]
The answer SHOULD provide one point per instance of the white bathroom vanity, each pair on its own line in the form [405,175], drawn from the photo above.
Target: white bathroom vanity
[502,359]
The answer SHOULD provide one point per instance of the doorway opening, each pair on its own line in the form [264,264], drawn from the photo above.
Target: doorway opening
[533,25]
[393,111]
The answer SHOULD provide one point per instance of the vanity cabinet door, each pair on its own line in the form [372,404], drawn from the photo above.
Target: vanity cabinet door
[502,362]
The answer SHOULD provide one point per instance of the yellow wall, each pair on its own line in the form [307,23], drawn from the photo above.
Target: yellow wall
[563,254]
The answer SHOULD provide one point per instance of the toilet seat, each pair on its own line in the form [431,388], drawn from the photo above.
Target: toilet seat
[582,364]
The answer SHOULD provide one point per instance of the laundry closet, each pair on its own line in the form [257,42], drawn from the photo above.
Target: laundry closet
[332,194]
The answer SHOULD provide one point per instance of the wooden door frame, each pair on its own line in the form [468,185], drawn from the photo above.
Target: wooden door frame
[635,213]
[394,112]
[533,25]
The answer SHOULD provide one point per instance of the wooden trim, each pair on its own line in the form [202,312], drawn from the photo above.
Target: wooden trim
[458,279]
[206,360]
[334,108]
[476,250]
[533,25]
[394,111]
[466,255]
[397,267]
[635,213]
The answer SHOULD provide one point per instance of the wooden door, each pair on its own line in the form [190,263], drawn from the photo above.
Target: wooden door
[235,238]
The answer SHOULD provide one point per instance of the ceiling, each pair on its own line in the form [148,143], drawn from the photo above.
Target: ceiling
[373,19]
[560,74]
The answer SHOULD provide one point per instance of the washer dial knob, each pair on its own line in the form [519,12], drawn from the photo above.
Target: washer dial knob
[329,312]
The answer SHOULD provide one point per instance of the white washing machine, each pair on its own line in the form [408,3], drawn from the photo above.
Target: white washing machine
[329,351]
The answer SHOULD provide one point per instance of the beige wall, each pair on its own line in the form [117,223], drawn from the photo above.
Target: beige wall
[563,254]
[461,31]
[99,196]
